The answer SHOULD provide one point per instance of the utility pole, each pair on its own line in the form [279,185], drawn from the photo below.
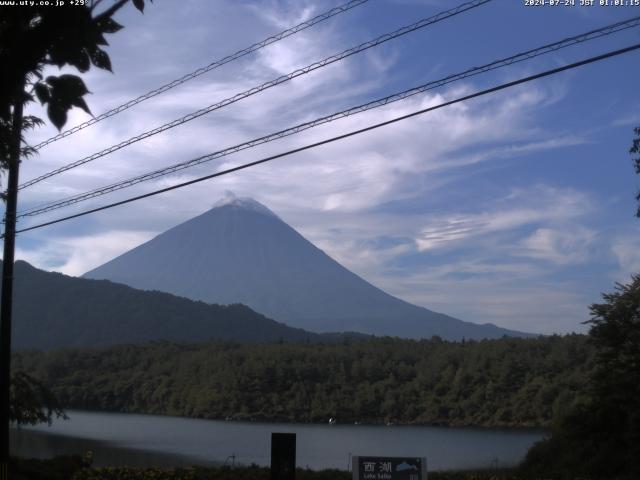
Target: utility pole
[6,301]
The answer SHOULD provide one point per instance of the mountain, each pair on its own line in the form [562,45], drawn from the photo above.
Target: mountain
[53,310]
[241,252]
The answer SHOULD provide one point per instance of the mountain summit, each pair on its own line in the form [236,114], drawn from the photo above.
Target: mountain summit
[245,203]
[241,252]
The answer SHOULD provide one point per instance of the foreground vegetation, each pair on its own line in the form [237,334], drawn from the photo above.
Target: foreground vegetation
[600,436]
[65,468]
[260,473]
[494,383]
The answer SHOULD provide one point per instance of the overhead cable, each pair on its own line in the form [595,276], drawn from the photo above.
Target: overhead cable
[343,136]
[213,65]
[272,83]
[552,47]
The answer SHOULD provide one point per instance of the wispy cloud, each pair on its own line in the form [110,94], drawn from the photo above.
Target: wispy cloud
[513,295]
[632,119]
[626,249]
[564,247]
[512,212]
[72,255]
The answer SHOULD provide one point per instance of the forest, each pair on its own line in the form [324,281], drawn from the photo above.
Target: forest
[53,310]
[508,382]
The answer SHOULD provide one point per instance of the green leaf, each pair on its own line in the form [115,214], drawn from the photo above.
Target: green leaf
[81,62]
[68,86]
[80,103]
[100,59]
[139,4]
[109,25]
[51,80]
[30,121]
[57,114]
[65,92]
[100,40]
[55,58]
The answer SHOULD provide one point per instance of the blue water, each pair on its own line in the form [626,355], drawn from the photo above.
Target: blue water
[150,440]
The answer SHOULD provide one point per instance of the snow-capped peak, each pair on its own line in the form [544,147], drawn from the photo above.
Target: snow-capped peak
[243,202]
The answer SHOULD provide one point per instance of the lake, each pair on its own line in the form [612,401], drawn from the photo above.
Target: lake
[150,440]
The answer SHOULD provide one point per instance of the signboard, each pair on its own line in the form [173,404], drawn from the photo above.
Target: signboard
[389,468]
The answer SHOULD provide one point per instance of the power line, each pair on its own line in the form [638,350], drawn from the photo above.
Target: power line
[272,83]
[196,73]
[552,47]
[343,136]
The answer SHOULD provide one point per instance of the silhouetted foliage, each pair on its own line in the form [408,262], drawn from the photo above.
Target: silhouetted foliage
[65,468]
[33,37]
[59,468]
[254,472]
[32,402]
[600,438]
[506,382]
[635,150]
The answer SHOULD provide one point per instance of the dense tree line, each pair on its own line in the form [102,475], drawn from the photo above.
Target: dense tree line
[600,436]
[506,382]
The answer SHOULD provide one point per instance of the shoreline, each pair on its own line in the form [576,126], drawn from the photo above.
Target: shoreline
[106,453]
[338,423]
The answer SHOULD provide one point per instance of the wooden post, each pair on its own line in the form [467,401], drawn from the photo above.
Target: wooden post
[283,456]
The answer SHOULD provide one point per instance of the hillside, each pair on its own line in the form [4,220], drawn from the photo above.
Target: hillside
[52,310]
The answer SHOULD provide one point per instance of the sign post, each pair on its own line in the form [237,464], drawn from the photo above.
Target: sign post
[389,468]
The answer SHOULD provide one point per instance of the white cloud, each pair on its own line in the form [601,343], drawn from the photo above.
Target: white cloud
[77,255]
[630,119]
[626,249]
[285,14]
[518,209]
[567,246]
[512,295]
[525,148]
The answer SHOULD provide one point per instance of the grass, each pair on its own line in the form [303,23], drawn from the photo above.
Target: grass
[70,468]
[258,473]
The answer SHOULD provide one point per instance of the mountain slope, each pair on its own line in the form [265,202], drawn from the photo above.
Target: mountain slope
[52,310]
[241,252]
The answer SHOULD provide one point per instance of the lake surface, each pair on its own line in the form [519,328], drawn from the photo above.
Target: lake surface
[150,440]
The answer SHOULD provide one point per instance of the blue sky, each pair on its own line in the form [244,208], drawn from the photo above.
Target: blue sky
[516,209]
